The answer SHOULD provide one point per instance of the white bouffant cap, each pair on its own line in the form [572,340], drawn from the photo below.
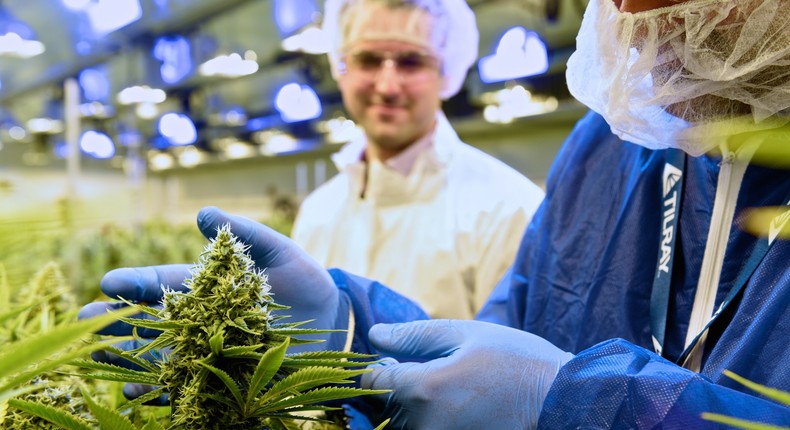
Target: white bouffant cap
[454,38]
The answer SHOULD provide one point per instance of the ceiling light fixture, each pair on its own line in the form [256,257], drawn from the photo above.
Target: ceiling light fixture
[17,39]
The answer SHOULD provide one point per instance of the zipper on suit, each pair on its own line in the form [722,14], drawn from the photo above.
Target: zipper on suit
[733,168]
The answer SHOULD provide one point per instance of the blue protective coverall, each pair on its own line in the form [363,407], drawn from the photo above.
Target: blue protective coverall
[583,278]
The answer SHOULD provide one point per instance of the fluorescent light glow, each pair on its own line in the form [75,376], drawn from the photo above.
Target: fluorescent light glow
[44,126]
[94,83]
[508,104]
[17,133]
[311,41]
[146,110]
[297,103]
[191,157]
[160,160]
[520,53]
[175,54]
[97,144]
[76,5]
[141,94]
[13,44]
[279,143]
[107,16]
[231,66]
[178,129]
[97,110]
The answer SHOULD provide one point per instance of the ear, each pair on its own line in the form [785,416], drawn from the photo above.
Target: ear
[443,88]
[342,81]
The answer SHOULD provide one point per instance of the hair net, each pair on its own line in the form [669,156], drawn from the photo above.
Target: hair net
[454,39]
[685,76]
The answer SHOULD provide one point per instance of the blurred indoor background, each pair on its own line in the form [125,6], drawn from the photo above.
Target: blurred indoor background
[171,105]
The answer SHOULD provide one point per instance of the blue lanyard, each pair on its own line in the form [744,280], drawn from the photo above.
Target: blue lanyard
[672,191]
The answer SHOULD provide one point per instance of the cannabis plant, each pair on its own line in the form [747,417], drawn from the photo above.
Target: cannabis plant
[42,306]
[227,365]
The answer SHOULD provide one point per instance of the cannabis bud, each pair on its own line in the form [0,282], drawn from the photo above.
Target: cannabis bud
[227,366]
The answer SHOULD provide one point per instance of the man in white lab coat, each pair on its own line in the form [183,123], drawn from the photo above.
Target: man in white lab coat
[413,207]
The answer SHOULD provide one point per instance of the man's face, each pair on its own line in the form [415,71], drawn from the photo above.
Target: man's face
[391,88]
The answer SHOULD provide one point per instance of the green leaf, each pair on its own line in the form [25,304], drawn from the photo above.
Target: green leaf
[141,308]
[108,419]
[161,342]
[301,331]
[216,343]
[267,367]
[5,292]
[314,396]
[46,366]
[242,328]
[20,354]
[382,425]
[102,366]
[152,324]
[145,364]
[772,393]
[141,378]
[736,422]
[332,355]
[152,424]
[12,313]
[228,381]
[221,399]
[324,363]
[247,351]
[140,400]
[307,378]
[55,416]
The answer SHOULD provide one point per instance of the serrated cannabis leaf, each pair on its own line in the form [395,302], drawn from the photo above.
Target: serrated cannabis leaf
[51,414]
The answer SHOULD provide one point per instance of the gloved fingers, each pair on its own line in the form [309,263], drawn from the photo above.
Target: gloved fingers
[144,284]
[419,340]
[371,379]
[356,419]
[133,391]
[411,390]
[118,328]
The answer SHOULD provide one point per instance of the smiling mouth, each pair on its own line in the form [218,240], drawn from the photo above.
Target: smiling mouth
[386,110]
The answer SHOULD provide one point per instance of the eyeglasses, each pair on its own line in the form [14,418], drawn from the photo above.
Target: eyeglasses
[411,66]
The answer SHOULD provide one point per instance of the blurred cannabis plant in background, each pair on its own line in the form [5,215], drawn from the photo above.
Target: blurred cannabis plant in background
[39,337]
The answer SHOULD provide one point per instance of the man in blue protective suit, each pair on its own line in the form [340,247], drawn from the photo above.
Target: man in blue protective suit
[637,283]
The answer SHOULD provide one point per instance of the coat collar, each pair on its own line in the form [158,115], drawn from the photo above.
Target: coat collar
[435,154]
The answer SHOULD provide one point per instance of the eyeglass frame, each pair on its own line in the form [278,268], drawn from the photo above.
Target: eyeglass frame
[395,59]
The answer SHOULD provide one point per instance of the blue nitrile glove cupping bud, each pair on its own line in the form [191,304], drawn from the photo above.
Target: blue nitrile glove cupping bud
[463,374]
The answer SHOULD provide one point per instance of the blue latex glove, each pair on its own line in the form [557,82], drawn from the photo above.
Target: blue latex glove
[470,375]
[297,281]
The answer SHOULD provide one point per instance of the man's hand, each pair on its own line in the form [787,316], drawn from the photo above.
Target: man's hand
[468,374]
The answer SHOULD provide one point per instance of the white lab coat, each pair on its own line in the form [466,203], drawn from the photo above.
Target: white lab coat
[442,236]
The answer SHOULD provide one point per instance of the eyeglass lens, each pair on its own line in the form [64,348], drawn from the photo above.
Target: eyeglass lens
[409,65]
